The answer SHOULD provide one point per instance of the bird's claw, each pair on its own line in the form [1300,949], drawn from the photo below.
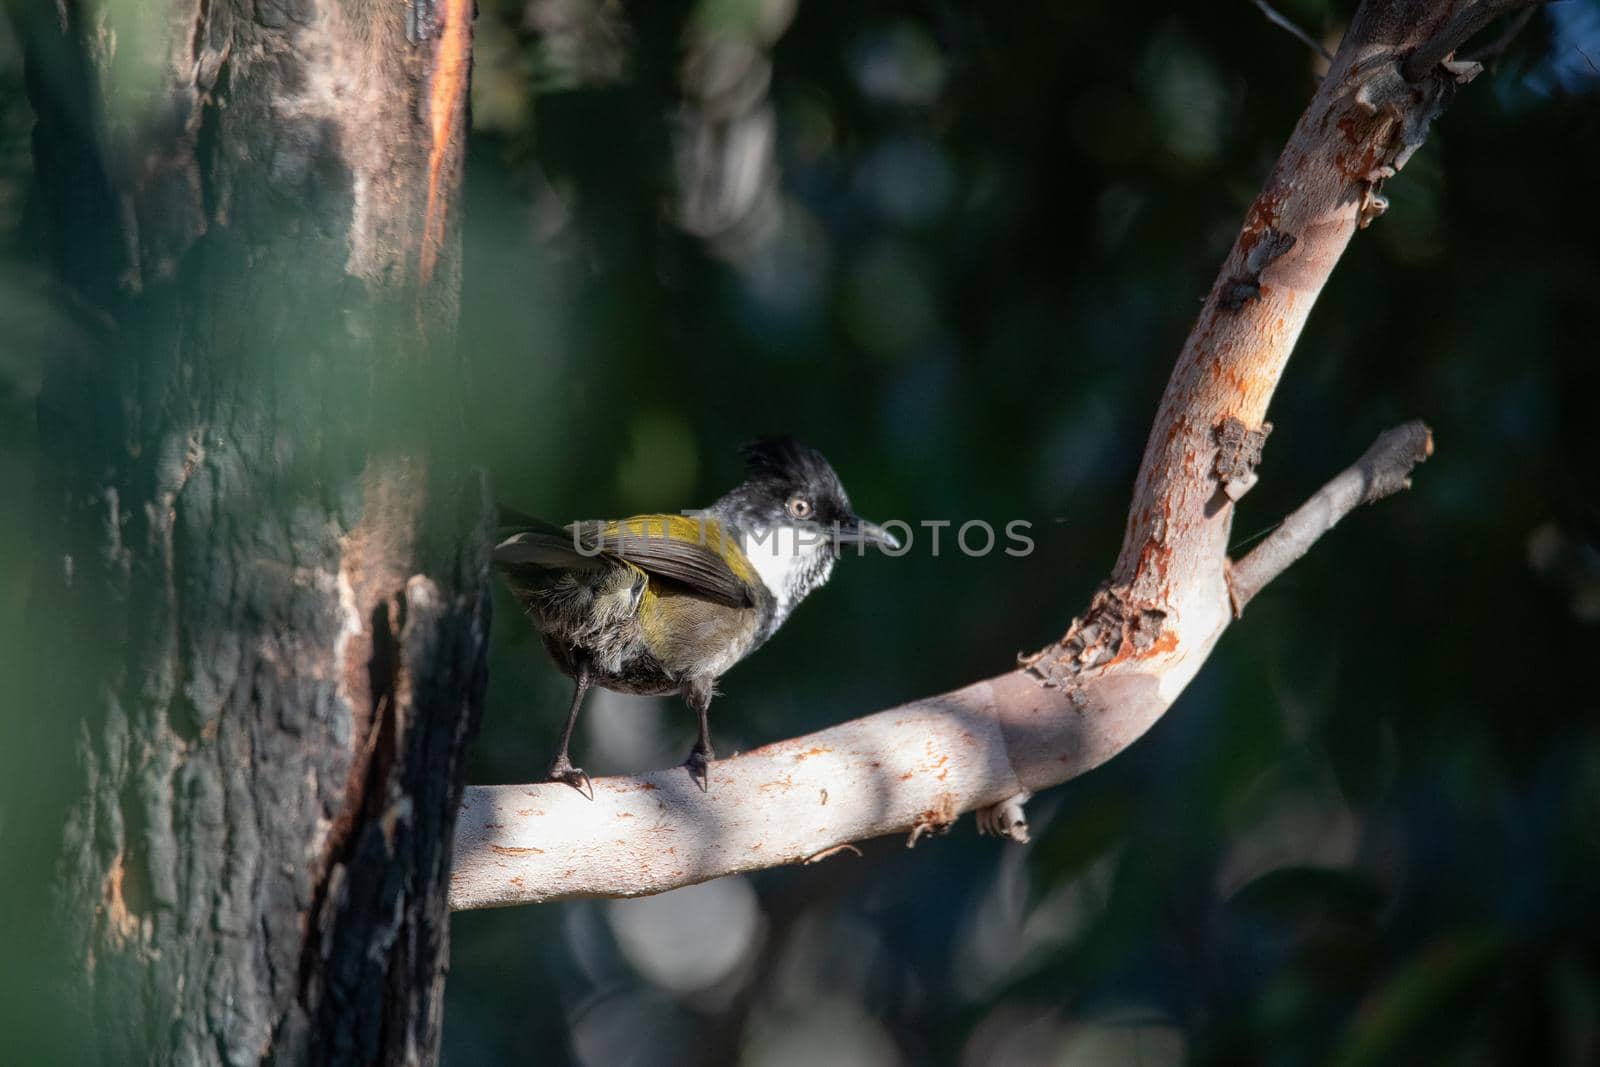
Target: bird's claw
[562,770]
[697,765]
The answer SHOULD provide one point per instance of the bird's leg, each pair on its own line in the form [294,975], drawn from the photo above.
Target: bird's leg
[562,770]
[698,695]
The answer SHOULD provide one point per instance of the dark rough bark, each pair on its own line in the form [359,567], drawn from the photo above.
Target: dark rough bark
[263,617]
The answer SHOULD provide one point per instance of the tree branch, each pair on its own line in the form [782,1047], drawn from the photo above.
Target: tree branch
[909,769]
[1383,470]
[1076,703]
[1462,25]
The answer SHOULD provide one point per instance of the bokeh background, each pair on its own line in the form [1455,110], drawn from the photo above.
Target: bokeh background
[957,247]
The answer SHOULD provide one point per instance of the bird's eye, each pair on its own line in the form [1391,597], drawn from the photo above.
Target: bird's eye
[799,507]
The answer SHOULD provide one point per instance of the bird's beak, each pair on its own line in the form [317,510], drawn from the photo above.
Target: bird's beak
[858,531]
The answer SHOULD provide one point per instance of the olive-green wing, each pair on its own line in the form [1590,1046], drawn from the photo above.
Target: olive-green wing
[688,551]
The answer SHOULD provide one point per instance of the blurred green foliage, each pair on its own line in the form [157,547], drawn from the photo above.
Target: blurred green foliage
[1370,831]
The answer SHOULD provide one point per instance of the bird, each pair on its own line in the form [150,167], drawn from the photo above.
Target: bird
[660,604]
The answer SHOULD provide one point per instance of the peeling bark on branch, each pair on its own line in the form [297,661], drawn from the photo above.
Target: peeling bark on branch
[1078,702]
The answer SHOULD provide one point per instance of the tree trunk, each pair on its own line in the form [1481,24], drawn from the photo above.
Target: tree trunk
[262,618]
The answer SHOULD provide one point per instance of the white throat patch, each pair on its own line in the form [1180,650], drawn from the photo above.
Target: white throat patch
[790,562]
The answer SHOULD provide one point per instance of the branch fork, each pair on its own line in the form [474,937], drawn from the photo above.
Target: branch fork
[1384,469]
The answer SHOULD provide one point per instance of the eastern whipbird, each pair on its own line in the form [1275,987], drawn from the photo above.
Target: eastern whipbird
[658,604]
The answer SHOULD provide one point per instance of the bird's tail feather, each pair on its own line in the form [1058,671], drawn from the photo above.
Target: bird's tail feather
[530,541]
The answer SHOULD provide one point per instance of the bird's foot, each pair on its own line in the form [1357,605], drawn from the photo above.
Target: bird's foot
[697,764]
[562,770]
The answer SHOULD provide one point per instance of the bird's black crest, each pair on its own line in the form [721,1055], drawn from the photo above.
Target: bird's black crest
[779,467]
[784,460]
